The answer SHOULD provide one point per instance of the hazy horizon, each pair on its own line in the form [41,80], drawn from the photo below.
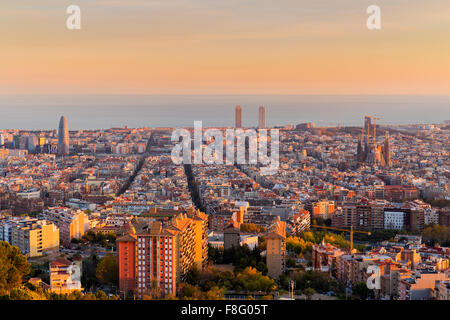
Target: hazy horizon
[33,112]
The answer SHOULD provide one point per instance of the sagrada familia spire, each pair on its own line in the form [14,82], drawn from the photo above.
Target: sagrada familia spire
[371,153]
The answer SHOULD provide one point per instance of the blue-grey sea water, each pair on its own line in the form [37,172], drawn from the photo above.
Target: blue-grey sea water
[32,112]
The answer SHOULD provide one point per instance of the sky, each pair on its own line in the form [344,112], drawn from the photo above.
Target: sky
[225,47]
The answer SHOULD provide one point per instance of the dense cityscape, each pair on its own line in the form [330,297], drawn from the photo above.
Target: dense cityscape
[106,214]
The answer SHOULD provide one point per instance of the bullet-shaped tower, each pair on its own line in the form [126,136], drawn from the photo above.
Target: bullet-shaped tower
[63,137]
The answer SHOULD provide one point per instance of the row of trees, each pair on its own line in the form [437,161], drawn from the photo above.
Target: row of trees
[380,235]
[105,240]
[240,257]
[14,269]
[436,234]
[440,203]
[98,272]
[319,281]
[302,244]
[213,283]
[30,292]
[252,228]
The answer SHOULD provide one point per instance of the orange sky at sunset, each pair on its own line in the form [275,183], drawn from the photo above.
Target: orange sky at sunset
[225,47]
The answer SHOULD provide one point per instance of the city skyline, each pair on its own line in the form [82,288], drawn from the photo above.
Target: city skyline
[225,150]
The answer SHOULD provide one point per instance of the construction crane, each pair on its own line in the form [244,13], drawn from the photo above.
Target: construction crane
[351,231]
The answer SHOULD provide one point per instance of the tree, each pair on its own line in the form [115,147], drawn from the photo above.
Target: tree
[107,270]
[436,234]
[192,275]
[290,263]
[89,277]
[252,228]
[309,292]
[13,267]
[253,280]
[101,295]
[361,290]
[215,293]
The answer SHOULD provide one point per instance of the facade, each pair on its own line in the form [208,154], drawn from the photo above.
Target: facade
[72,224]
[324,257]
[238,117]
[394,220]
[63,137]
[444,217]
[276,249]
[231,235]
[420,286]
[262,117]
[381,214]
[216,240]
[405,273]
[300,222]
[126,261]
[65,276]
[218,221]
[442,290]
[323,209]
[157,253]
[32,236]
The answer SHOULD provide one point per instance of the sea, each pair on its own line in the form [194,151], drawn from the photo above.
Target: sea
[42,112]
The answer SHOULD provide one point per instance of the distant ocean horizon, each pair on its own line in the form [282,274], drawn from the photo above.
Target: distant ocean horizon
[42,112]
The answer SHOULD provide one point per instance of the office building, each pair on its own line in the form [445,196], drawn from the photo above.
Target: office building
[63,137]
[238,117]
[262,118]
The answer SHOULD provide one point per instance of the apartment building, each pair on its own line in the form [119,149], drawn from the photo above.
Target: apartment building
[72,224]
[322,209]
[231,235]
[65,276]
[276,249]
[157,253]
[324,256]
[420,286]
[442,290]
[300,222]
[32,236]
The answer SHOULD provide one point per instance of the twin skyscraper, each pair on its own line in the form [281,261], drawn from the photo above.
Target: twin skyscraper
[261,118]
